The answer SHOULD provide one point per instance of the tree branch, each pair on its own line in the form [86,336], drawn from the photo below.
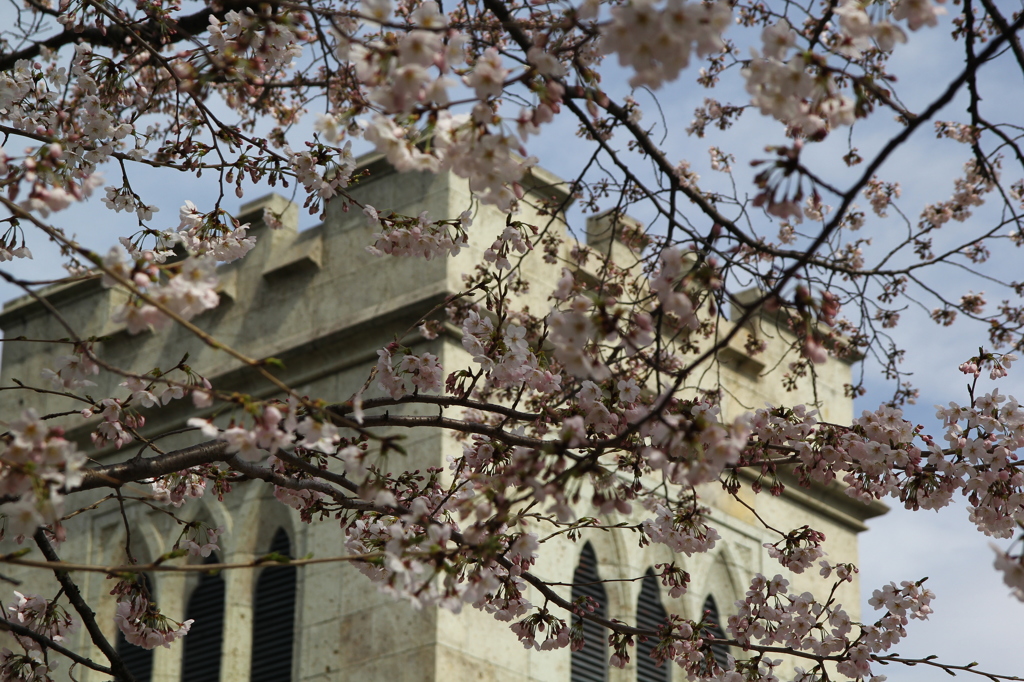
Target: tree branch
[117,666]
[22,631]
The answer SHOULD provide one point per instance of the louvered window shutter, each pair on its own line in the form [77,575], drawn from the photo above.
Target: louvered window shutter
[139,661]
[719,648]
[202,650]
[590,664]
[273,619]
[650,615]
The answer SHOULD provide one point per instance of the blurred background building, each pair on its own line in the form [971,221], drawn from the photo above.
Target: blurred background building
[320,304]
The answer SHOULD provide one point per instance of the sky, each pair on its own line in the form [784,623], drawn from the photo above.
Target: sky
[975,619]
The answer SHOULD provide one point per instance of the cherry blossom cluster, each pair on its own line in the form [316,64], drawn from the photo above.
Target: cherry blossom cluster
[139,619]
[401,574]
[202,234]
[428,559]
[44,617]
[789,91]
[656,42]
[179,487]
[117,426]
[36,464]
[49,189]
[771,615]
[690,444]
[70,372]
[918,13]
[183,290]
[324,184]
[572,332]
[398,81]
[492,159]
[557,635]
[511,240]
[675,265]
[881,195]
[417,237]
[123,199]
[53,176]
[200,539]
[26,667]
[507,356]
[277,426]
[858,32]
[411,373]
[257,42]
[969,192]
[300,500]
[397,75]
[683,529]
[9,246]
[149,393]
[799,549]
[120,417]
[1012,568]
[879,457]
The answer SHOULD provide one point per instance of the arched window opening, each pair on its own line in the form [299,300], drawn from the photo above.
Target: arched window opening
[202,651]
[138,660]
[650,615]
[273,622]
[590,664]
[719,648]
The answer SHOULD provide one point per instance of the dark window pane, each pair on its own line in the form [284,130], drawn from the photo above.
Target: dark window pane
[719,648]
[590,664]
[650,615]
[201,657]
[273,623]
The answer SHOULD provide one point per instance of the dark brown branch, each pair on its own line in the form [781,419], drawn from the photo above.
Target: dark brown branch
[22,631]
[114,475]
[442,400]
[495,432]
[117,666]
[155,31]
[303,465]
[1005,31]
[253,471]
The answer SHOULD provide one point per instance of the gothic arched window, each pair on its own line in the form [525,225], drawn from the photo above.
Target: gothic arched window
[590,664]
[650,615]
[138,660]
[202,650]
[719,648]
[273,620]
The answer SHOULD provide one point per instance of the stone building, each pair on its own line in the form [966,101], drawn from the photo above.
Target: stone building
[320,304]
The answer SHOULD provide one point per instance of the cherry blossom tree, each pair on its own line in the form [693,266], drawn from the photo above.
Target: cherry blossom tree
[595,390]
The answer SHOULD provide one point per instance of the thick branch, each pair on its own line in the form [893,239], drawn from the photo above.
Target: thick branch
[137,469]
[48,643]
[253,471]
[443,401]
[118,669]
[495,432]
[155,31]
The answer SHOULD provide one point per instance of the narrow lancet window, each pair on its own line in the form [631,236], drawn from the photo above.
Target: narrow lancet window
[650,615]
[202,651]
[590,664]
[273,621]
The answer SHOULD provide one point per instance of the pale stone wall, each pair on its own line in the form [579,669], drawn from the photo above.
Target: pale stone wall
[319,303]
